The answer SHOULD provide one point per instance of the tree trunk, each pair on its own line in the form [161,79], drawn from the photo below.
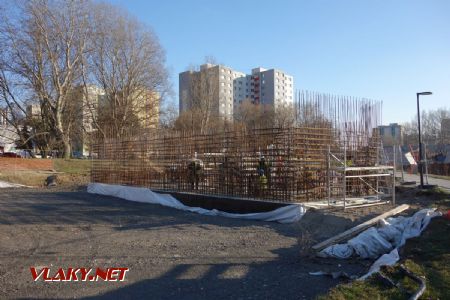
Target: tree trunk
[66,148]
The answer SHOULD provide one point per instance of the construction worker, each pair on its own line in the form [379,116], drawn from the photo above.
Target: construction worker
[195,171]
[263,172]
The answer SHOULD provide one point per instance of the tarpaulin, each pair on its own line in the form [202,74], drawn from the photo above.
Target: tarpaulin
[383,241]
[286,214]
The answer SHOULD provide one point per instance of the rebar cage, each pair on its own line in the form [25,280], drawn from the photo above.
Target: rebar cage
[282,164]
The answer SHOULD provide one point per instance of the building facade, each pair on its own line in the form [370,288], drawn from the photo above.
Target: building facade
[147,108]
[82,111]
[391,134]
[227,89]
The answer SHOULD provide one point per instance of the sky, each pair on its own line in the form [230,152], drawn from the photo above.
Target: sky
[383,50]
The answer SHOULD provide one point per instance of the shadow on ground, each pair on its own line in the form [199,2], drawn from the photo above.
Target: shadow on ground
[282,275]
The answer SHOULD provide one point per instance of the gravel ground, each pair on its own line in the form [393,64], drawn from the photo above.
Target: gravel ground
[171,254]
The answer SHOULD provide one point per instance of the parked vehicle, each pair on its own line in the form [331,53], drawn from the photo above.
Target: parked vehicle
[10,154]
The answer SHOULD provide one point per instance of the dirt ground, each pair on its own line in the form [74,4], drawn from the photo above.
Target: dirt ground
[171,254]
[9,163]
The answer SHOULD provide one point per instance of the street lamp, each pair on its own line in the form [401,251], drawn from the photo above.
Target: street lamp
[420,138]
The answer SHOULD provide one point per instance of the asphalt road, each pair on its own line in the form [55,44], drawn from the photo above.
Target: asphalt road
[171,254]
[443,183]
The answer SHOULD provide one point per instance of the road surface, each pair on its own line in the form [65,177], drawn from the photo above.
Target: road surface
[443,183]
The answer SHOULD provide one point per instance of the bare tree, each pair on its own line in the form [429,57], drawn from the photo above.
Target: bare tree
[284,115]
[49,48]
[168,115]
[204,96]
[307,115]
[127,62]
[44,44]
[431,122]
[254,115]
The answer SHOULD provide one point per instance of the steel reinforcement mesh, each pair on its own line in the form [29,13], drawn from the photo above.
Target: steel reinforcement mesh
[281,164]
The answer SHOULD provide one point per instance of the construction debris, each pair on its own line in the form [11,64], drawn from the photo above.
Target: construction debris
[359,228]
[382,242]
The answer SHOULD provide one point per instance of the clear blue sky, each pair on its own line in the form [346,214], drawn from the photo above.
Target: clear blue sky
[385,50]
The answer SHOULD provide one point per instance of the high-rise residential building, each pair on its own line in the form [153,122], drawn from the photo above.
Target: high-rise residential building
[147,108]
[4,116]
[391,134]
[33,111]
[82,112]
[227,88]
[271,87]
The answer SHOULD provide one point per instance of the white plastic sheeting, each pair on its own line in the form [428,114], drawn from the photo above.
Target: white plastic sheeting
[4,184]
[385,240]
[388,259]
[286,214]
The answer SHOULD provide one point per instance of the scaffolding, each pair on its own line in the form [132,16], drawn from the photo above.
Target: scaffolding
[379,179]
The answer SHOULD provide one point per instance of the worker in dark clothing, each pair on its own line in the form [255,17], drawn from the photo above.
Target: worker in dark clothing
[263,172]
[195,172]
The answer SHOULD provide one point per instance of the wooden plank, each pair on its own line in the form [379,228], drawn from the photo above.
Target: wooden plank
[367,168]
[368,175]
[357,229]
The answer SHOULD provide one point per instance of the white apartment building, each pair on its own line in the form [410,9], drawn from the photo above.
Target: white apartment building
[266,87]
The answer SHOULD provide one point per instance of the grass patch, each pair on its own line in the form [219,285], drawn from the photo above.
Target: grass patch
[72,166]
[70,172]
[427,255]
[439,176]
[29,178]
[435,193]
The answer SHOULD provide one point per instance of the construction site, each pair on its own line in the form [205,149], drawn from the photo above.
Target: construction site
[332,157]
[207,239]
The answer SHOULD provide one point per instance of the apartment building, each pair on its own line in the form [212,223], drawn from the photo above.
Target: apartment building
[33,111]
[146,108]
[82,112]
[227,88]
[4,116]
[391,134]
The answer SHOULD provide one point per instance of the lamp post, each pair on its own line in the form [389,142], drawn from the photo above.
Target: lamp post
[420,138]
